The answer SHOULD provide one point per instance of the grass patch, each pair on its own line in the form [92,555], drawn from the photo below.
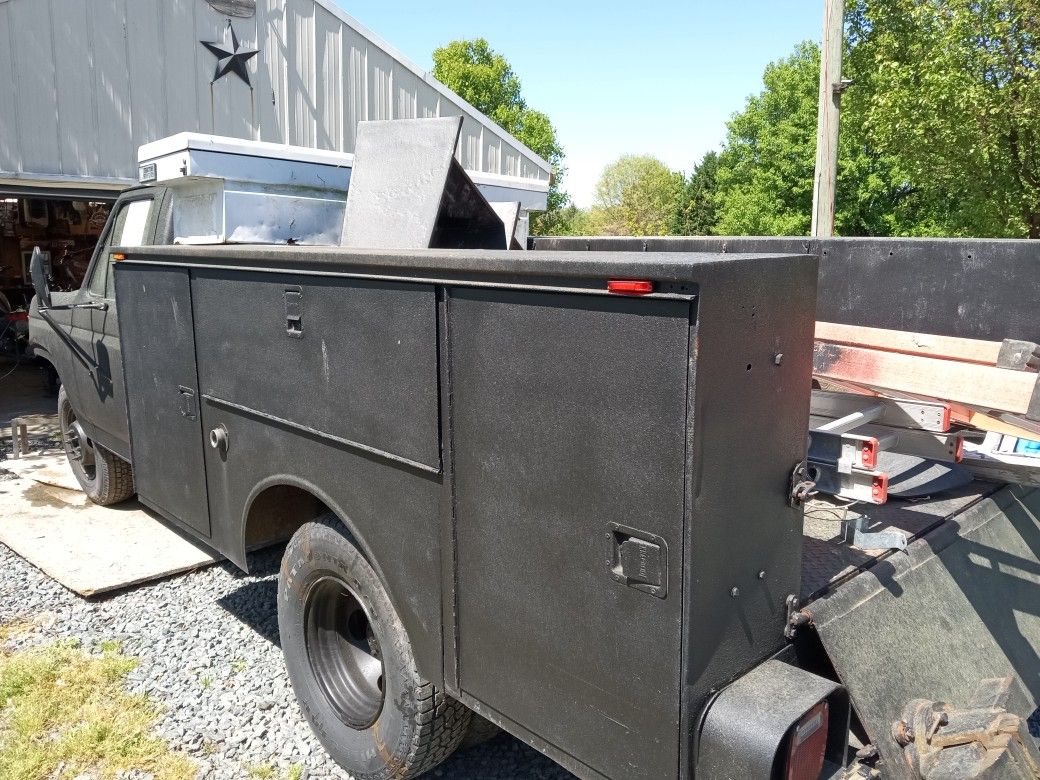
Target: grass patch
[64,713]
[295,772]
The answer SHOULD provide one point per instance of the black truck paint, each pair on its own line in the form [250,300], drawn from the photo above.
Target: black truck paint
[499,439]
[497,432]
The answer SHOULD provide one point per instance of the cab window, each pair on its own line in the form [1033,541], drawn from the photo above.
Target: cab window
[127,230]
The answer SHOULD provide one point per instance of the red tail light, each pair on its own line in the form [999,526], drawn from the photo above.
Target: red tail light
[807,744]
[630,286]
[18,316]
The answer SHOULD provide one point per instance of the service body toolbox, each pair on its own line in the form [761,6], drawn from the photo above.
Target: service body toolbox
[571,472]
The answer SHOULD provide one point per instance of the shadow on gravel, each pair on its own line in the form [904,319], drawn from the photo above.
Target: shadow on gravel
[256,605]
[502,758]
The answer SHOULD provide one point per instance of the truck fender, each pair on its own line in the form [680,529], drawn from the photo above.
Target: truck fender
[288,523]
[743,730]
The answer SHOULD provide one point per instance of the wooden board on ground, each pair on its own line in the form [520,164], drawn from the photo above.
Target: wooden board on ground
[87,548]
[49,470]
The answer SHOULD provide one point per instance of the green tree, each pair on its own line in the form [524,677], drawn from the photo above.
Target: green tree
[696,211]
[951,89]
[765,175]
[765,171]
[486,80]
[636,196]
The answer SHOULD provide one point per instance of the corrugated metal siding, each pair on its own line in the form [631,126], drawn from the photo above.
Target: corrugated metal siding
[91,80]
[10,147]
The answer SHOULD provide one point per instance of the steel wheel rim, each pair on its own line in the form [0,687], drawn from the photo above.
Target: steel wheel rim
[77,445]
[343,652]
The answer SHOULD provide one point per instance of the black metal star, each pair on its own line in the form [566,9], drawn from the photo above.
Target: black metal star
[230,58]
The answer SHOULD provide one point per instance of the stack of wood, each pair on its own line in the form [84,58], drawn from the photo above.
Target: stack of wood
[988,386]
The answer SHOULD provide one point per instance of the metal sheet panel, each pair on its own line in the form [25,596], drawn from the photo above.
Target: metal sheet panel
[117,155]
[146,49]
[162,391]
[371,348]
[329,75]
[469,145]
[133,72]
[270,77]
[406,92]
[10,145]
[177,23]
[32,36]
[355,85]
[301,72]
[564,423]
[380,84]
[75,93]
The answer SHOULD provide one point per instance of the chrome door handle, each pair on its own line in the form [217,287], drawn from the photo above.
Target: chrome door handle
[218,438]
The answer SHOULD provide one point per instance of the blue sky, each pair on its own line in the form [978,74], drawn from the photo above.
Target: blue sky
[650,77]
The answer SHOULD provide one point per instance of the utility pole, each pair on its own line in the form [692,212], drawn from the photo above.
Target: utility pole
[831,87]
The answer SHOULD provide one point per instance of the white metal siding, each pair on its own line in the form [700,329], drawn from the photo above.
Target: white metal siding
[83,83]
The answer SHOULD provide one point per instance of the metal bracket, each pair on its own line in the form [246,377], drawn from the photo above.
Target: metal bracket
[796,618]
[801,488]
[856,532]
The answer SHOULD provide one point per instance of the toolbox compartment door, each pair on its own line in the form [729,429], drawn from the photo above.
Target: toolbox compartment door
[156,327]
[569,441]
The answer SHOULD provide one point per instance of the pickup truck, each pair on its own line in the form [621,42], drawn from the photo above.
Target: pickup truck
[78,338]
[563,491]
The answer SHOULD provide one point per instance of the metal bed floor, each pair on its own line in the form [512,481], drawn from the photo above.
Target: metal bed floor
[827,560]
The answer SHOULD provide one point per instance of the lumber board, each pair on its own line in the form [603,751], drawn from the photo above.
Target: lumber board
[909,343]
[985,387]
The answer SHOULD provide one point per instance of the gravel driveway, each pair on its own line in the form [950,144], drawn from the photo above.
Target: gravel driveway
[208,649]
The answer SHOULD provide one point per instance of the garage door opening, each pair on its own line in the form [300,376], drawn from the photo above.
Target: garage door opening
[66,227]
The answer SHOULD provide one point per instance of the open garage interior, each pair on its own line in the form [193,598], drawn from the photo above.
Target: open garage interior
[65,226]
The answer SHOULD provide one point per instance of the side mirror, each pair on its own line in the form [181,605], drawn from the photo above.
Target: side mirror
[38,272]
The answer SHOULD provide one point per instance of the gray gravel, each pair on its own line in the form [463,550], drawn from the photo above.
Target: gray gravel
[208,648]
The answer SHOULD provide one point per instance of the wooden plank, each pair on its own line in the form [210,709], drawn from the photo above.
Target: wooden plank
[985,387]
[906,342]
[89,549]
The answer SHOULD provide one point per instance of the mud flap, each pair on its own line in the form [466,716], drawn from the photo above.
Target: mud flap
[959,607]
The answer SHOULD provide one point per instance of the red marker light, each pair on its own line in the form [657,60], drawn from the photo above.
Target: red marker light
[630,286]
[958,450]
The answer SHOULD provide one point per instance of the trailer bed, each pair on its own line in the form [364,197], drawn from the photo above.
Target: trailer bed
[828,561]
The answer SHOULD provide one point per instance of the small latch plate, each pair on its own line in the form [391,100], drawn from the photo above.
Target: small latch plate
[638,559]
[294,312]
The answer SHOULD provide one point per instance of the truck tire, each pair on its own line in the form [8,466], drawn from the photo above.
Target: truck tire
[480,731]
[105,477]
[351,664]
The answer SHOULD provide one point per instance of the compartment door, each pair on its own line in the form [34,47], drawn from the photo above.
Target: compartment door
[157,333]
[569,419]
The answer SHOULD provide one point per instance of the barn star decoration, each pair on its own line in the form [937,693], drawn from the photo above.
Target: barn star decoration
[231,56]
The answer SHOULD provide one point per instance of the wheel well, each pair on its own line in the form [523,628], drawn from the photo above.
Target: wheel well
[278,512]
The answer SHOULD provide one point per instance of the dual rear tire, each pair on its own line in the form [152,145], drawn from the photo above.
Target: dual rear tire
[351,664]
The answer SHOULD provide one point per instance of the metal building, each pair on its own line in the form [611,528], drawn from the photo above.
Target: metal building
[83,83]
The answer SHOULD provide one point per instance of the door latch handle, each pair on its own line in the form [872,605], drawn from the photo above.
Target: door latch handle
[218,439]
[188,408]
[293,312]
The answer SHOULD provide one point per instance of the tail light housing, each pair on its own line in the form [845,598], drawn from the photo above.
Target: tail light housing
[807,744]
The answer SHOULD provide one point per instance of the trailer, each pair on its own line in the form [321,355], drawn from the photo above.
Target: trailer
[566,491]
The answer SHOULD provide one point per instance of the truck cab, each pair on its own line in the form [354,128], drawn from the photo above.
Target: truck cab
[77,335]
